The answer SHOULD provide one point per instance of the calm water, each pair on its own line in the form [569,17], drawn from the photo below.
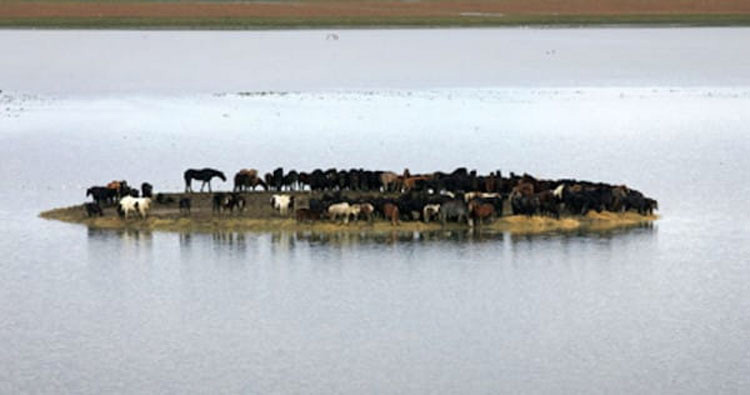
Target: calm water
[658,309]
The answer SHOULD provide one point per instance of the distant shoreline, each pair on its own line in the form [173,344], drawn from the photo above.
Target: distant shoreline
[538,21]
[307,14]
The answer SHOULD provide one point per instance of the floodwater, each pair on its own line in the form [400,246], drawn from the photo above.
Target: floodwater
[654,309]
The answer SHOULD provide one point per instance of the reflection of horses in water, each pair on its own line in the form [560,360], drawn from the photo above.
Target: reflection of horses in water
[204,175]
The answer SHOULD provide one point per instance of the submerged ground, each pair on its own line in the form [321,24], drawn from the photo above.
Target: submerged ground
[254,14]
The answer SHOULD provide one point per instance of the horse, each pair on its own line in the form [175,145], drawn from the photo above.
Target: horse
[228,202]
[218,201]
[143,205]
[129,204]
[410,182]
[281,203]
[120,188]
[469,196]
[454,209]
[366,210]
[204,175]
[548,203]
[523,204]
[93,209]
[430,211]
[235,201]
[247,178]
[147,190]
[343,209]
[390,210]
[164,199]
[126,206]
[481,211]
[101,194]
[291,180]
[306,215]
[390,181]
[185,206]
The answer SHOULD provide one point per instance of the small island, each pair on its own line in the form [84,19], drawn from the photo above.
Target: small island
[360,200]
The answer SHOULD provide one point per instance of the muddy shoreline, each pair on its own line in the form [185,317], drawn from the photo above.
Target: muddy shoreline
[259,216]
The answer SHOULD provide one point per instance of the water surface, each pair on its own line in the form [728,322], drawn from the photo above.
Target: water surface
[654,309]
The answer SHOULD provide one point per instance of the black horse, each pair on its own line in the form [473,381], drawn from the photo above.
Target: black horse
[102,195]
[147,190]
[204,175]
[93,209]
[185,206]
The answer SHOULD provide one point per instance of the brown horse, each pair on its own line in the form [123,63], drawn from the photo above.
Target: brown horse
[306,215]
[366,210]
[548,203]
[120,187]
[410,182]
[525,189]
[248,178]
[390,181]
[391,212]
[249,172]
[481,211]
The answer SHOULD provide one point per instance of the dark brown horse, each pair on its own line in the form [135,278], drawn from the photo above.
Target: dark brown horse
[306,215]
[204,175]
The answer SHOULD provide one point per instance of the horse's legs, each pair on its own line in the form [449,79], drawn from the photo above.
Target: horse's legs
[209,186]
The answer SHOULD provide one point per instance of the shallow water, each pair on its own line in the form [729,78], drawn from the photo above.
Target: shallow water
[655,309]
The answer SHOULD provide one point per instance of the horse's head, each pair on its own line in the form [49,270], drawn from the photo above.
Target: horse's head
[221,175]
[89,192]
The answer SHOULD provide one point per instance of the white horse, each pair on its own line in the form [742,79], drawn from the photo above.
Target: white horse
[482,195]
[343,209]
[143,205]
[126,206]
[281,203]
[129,204]
[429,211]
[558,192]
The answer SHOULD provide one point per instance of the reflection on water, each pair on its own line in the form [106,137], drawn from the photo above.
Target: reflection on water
[286,241]
[127,236]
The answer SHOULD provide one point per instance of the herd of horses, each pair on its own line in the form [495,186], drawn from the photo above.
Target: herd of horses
[460,196]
